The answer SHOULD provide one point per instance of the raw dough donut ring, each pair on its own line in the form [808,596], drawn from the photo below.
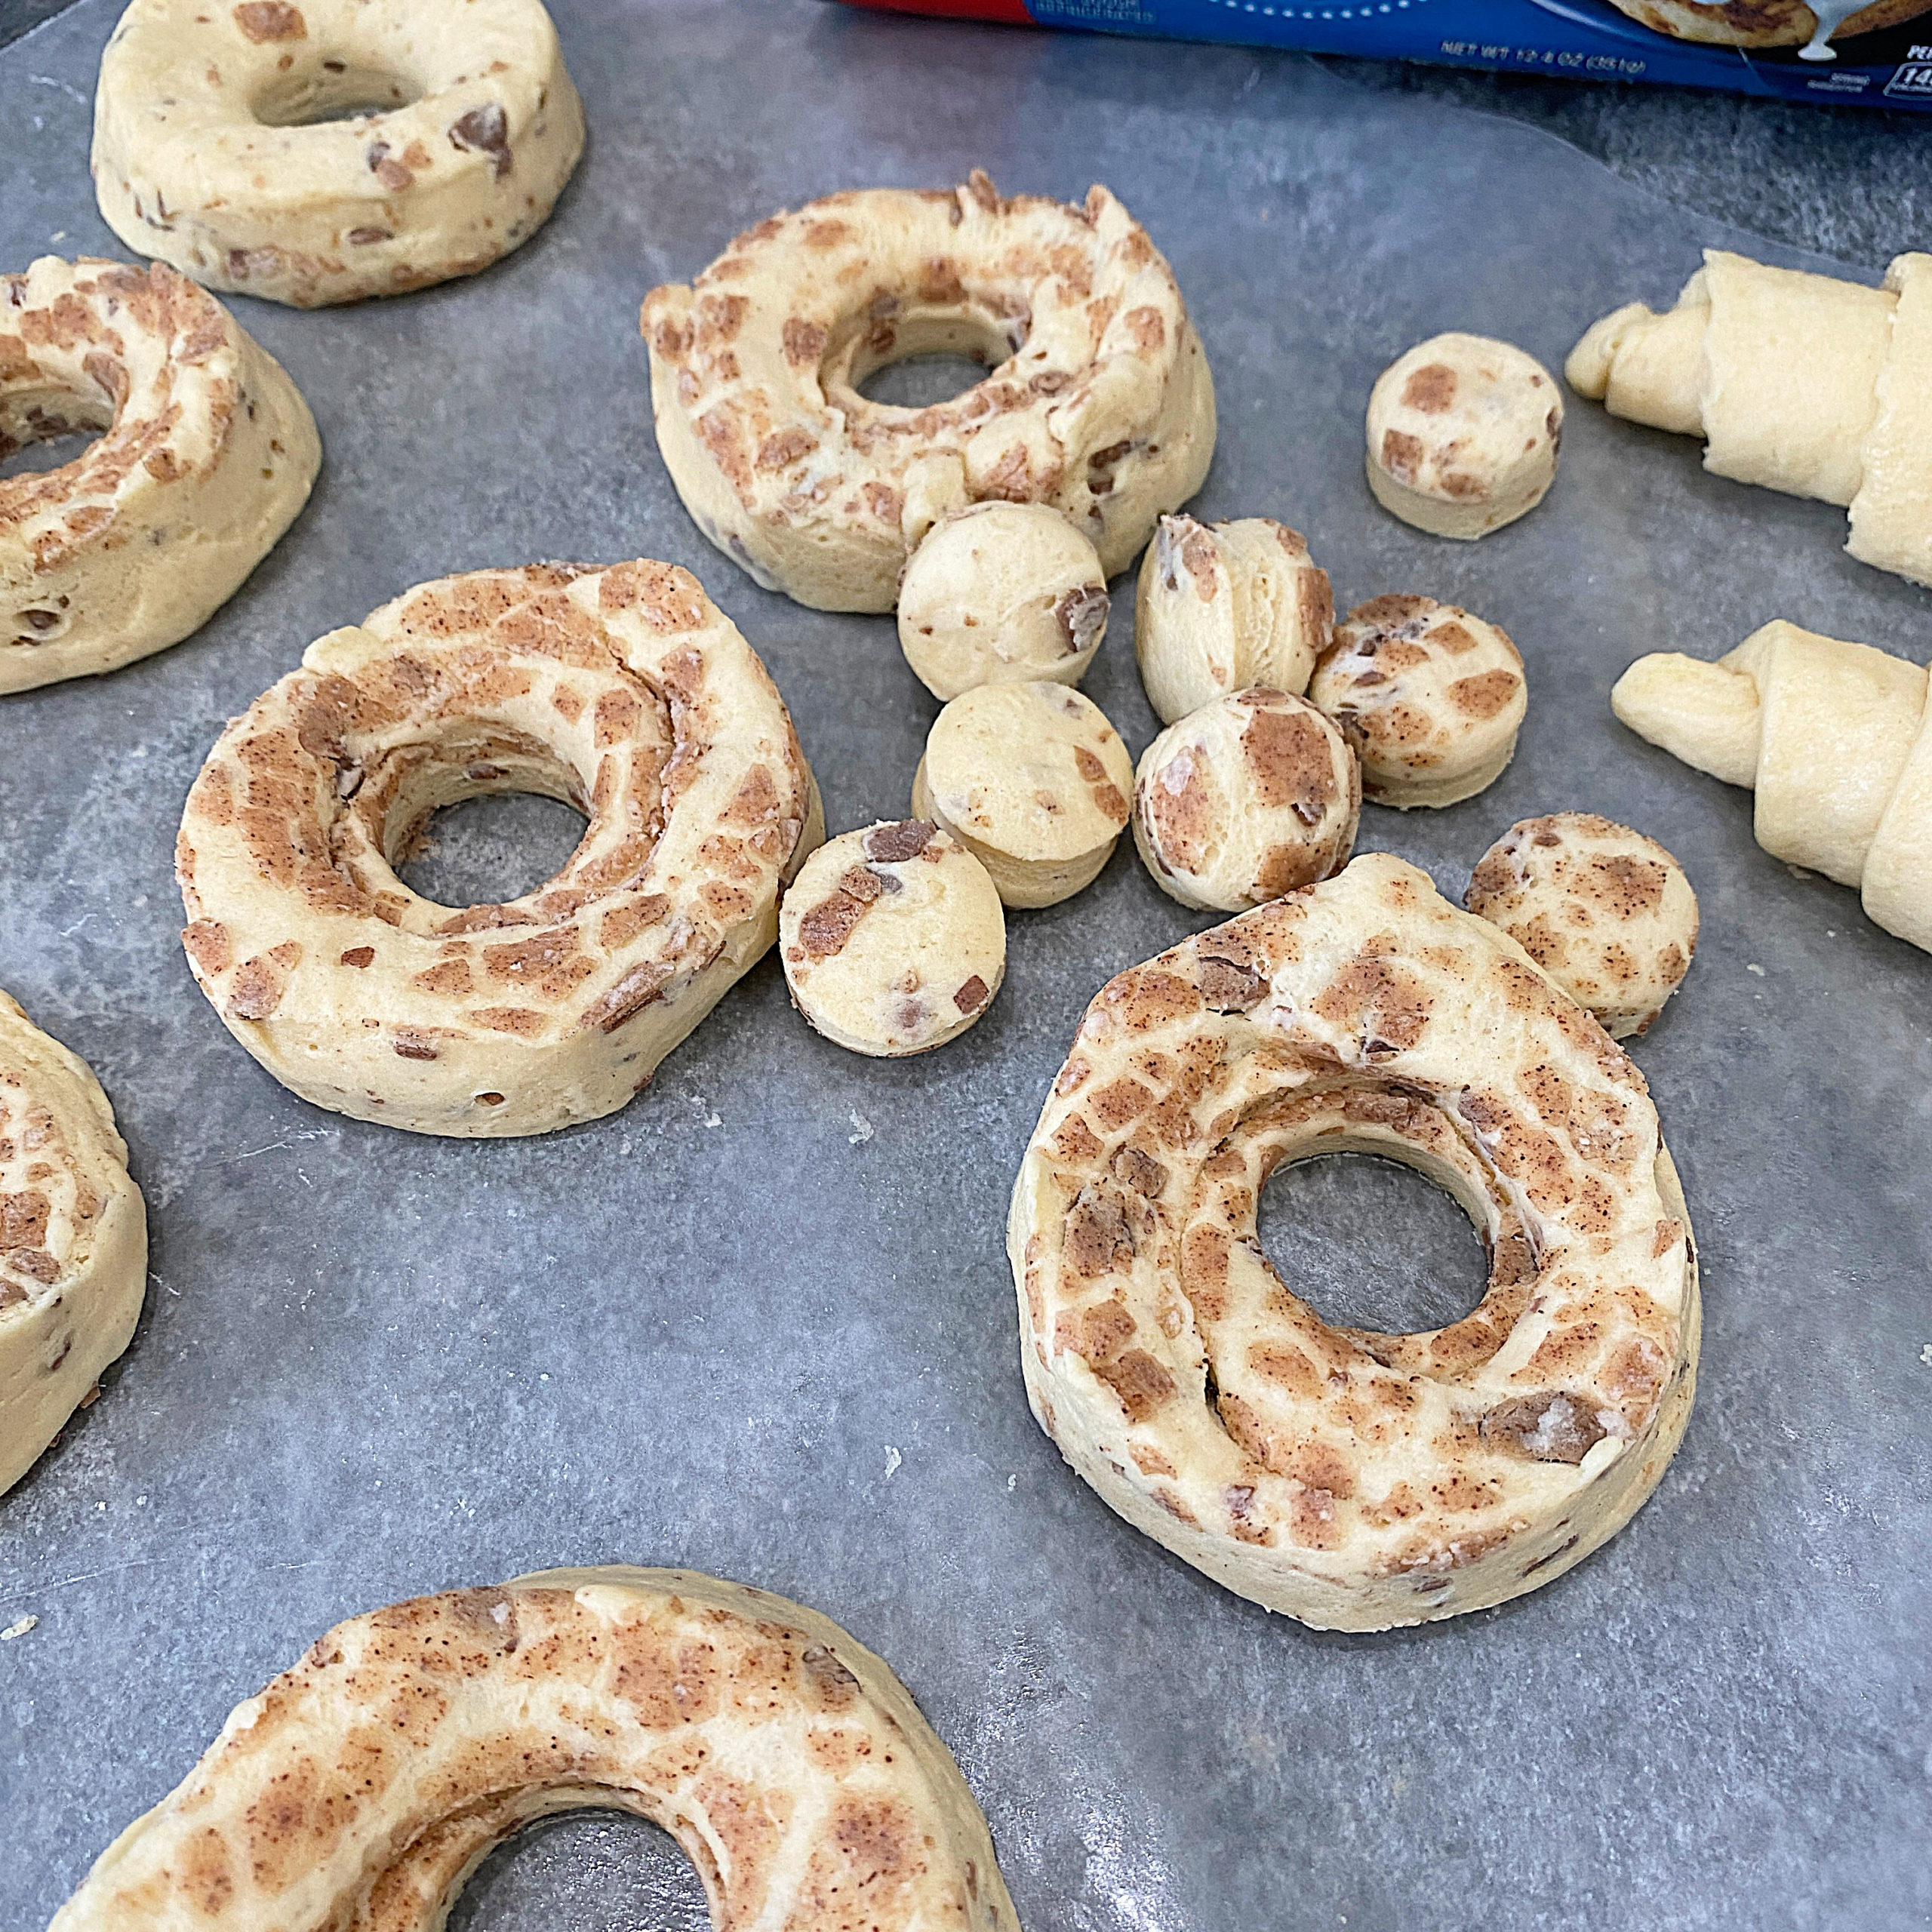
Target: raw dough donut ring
[1430,698]
[1606,912]
[623,691]
[1251,796]
[361,1788]
[73,1240]
[1033,781]
[206,454]
[1099,402]
[1354,1481]
[1463,436]
[893,938]
[1223,606]
[218,144]
[1001,593]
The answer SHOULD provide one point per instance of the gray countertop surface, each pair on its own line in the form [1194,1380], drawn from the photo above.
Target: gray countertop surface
[760,1323]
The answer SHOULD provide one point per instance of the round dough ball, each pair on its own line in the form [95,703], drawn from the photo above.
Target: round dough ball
[1606,912]
[893,938]
[1430,698]
[1001,593]
[1462,435]
[1033,781]
[1248,797]
[1223,606]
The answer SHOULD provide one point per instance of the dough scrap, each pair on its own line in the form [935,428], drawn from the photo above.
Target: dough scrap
[1222,607]
[893,938]
[1254,794]
[1608,913]
[1001,593]
[1430,697]
[1033,781]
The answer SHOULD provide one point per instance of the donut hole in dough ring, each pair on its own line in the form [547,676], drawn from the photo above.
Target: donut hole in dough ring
[1253,796]
[1608,913]
[623,691]
[789,1764]
[73,1240]
[334,149]
[1222,606]
[1099,402]
[1354,1480]
[1430,697]
[1033,781]
[205,454]
[893,938]
[1001,593]
[1463,436]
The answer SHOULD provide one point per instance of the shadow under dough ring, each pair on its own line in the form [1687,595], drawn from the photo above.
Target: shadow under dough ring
[1098,403]
[1354,1480]
[360,1790]
[335,149]
[206,453]
[73,1240]
[625,692]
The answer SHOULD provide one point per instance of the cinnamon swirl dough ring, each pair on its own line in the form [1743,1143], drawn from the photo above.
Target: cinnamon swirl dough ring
[362,1787]
[1354,1481]
[73,1239]
[334,150]
[624,691]
[1098,404]
[206,454]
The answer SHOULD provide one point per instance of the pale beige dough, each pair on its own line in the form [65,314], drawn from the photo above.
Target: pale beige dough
[73,1240]
[892,939]
[1430,697]
[1354,1480]
[1836,738]
[1800,382]
[1033,781]
[219,146]
[1001,593]
[1099,402]
[624,691]
[1606,912]
[205,455]
[1254,794]
[791,1765]
[1221,607]
[1462,435]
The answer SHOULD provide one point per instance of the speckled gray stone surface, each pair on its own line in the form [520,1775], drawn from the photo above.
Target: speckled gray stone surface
[761,1323]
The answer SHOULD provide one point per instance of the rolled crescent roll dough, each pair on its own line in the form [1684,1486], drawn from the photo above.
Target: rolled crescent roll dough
[1833,737]
[1800,382]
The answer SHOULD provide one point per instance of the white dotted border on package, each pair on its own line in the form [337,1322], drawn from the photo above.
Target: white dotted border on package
[1315,13]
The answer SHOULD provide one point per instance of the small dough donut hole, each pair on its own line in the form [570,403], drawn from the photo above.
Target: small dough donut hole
[334,150]
[892,939]
[1463,436]
[1001,593]
[1033,781]
[1248,797]
[1606,912]
[1221,607]
[1430,698]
